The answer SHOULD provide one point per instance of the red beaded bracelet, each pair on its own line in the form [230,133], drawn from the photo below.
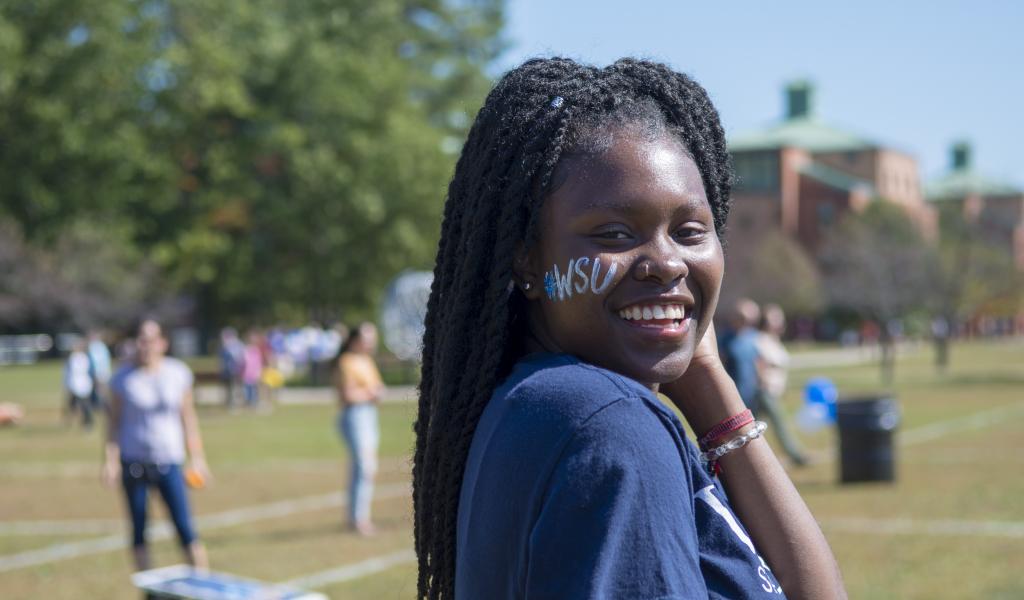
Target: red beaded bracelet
[725,427]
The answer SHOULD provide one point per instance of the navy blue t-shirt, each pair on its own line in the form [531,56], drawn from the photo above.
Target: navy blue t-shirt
[581,484]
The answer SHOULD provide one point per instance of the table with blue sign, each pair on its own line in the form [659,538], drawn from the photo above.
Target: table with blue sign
[183,582]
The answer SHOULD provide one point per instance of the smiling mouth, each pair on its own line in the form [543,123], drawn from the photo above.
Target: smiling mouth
[665,317]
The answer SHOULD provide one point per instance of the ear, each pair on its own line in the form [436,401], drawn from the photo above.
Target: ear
[527,278]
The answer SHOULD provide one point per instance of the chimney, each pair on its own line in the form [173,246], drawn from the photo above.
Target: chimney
[961,156]
[799,100]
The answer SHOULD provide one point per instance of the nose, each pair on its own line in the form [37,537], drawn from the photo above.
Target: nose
[661,263]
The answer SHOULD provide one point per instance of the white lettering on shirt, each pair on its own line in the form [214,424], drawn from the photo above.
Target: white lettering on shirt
[716,505]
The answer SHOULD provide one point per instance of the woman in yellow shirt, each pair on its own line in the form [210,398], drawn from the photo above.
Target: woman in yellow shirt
[360,388]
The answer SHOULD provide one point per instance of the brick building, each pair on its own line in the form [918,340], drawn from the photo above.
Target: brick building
[803,175]
[997,207]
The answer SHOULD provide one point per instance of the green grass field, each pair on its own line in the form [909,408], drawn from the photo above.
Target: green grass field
[951,527]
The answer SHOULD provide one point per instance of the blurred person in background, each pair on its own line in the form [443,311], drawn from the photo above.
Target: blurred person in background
[99,369]
[152,429]
[10,414]
[78,385]
[741,350]
[360,389]
[252,368]
[772,370]
[232,353]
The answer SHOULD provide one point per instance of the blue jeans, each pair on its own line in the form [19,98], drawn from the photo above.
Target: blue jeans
[252,393]
[359,427]
[136,478]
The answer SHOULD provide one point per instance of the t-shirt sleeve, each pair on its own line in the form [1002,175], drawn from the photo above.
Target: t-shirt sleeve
[617,518]
[185,376]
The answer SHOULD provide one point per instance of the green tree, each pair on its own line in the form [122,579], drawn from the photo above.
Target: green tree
[311,138]
[273,160]
[93,277]
[878,266]
[773,269]
[973,274]
[72,134]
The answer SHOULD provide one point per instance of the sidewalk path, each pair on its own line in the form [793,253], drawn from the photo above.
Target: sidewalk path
[811,359]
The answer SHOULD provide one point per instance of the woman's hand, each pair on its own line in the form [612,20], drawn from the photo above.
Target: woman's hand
[705,393]
[198,464]
[706,353]
[110,473]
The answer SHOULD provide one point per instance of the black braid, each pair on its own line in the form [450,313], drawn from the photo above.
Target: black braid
[505,171]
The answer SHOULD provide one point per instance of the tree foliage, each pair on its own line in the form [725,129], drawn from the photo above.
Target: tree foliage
[773,269]
[273,160]
[878,266]
[974,273]
[92,277]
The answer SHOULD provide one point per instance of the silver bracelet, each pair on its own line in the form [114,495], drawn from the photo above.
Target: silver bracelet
[709,459]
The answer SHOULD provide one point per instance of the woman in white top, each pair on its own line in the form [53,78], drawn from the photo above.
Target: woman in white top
[152,423]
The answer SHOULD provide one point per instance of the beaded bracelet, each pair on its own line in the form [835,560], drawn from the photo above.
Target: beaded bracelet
[727,426]
[710,458]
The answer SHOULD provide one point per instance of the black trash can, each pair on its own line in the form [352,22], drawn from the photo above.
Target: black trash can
[866,427]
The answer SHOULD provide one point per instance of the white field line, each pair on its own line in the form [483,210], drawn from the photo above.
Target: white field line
[163,531]
[61,527]
[896,526]
[979,420]
[925,527]
[352,571]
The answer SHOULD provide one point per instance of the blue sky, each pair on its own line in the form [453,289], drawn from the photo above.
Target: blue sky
[914,75]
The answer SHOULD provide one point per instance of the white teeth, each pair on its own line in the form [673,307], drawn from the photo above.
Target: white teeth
[647,313]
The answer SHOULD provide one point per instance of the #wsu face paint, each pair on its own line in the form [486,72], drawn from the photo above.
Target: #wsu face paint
[560,287]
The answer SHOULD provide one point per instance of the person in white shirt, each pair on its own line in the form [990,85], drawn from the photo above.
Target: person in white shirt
[772,372]
[99,369]
[78,385]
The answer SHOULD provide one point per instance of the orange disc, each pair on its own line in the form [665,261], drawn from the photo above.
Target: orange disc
[194,479]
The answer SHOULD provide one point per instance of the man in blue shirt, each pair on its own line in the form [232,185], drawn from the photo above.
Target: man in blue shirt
[741,350]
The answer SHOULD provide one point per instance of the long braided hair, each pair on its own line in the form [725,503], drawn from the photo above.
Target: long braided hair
[538,113]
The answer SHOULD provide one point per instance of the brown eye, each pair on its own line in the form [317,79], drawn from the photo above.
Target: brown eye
[690,232]
[612,234]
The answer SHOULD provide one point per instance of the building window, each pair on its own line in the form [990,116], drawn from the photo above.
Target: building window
[826,215]
[757,172]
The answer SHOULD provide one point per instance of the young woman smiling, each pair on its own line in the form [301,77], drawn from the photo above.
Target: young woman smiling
[577,275]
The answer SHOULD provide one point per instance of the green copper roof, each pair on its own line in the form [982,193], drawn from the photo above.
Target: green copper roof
[965,182]
[836,179]
[807,133]
[962,180]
